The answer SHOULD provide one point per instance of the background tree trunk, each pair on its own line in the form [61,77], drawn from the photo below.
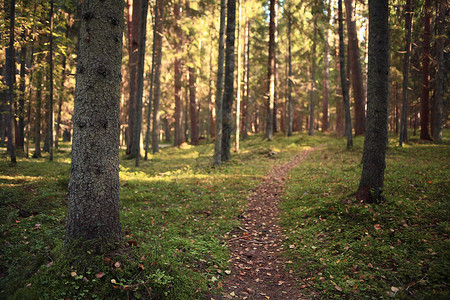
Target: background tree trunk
[219,86]
[158,57]
[37,126]
[356,72]
[245,116]
[21,108]
[375,143]
[50,98]
[290,112]
[228,95]
[193,106]
[409,12]
[271,74]
[425,100]
[177,76]
[345,94]
[239,70]
[93,210]
[326,73]
[313,81]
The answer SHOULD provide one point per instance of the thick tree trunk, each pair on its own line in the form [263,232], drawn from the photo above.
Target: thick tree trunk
[93,210]
[271,74]
[425,100]
[158,57]
[219,87]
[440,75]
[50,98]
[37,126]
[275,72]
[30,98]
[409,12]
[313,82]
[228,95]
[245,96]
[345,93]
[10,75]
[21,108]
[356,72]
[375,142]
[136,147]
[134,16]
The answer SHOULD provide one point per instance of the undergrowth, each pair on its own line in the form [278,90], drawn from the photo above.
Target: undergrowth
[347,249]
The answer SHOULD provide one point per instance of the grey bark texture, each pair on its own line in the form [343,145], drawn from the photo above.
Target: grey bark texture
[228,95]
[10,75]
[271,74]
[93,209]
[290,112]
[219,86]
[50,97]
[375,142]
[313,82]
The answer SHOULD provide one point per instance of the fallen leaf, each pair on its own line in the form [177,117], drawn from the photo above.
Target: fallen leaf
[394,289]
[49,264]
[228,272]
[377,226]
[117,264]
[73,274]
[370,265]
[141,266]
[113,281]
[338,288]
[99,275]
[28,285]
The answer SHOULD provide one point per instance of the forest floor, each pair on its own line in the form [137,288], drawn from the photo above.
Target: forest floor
[279,221]
[258,271]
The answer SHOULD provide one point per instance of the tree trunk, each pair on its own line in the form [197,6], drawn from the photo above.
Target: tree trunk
[136,147]
[440,75]
[10,75]
[228,95]
[152,81]
[239,70]
[193,106]
[134,8]
[30,97]
[245,116]
[409,12]
[37,126]
[177,76]
[50,98]
[219,83]
[313,81]
[21,108]
[275,72]
[326,73]
[356,72]
[271,74]
[93,210]
[345,93]
[290,111]
[158,57]
[425,100]
[375,143]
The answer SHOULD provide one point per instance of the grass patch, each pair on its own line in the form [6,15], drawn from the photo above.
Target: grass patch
[175,210]
[399,248]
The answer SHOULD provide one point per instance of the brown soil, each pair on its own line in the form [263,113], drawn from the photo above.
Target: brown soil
[258,270]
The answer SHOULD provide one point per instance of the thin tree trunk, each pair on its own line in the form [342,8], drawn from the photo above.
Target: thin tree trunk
[441,73]
[10,75]
[245,116]
[409,12]
[271,74]
[345,93]
[290,111]
[30,95]
[93,209]
[239,70]
[219,83]
[177,76]
[326,73]
[193,106]
[356,72]
[158,57]
[313,81]
[425,100]
[37,127]
[136,147]
[133,48]
[228,95]
[150,94]
[50,101]
[21,108]
[275,72]
[210,124]
[375,143]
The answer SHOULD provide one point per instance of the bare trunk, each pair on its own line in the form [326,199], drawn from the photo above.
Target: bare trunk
[10,75]
[326,72]
[313,82]
[193,106]
[50,99]
[425,100]
[271,74]
[245,97]
[239,70]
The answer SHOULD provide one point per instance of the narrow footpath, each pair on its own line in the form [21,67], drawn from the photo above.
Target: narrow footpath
[258,270]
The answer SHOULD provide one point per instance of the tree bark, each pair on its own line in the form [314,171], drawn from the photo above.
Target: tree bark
[374,155]
[193,106]
[136,147]
[10,75]
[425,100]
[177,76]
[441,73]
[345,93]
[271,74]
[134,8]
[290,111]
[21,108]
[158,57]
[239,83]
[245,97]
[219,87]
[313,81]
[409,12]
[356,72]
[326,73]
[50,99]
[93,210]
[228,95]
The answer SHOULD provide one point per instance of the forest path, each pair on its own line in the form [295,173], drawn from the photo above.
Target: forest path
[258,271]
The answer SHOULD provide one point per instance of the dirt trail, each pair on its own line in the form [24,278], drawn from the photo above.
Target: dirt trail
[258,271]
